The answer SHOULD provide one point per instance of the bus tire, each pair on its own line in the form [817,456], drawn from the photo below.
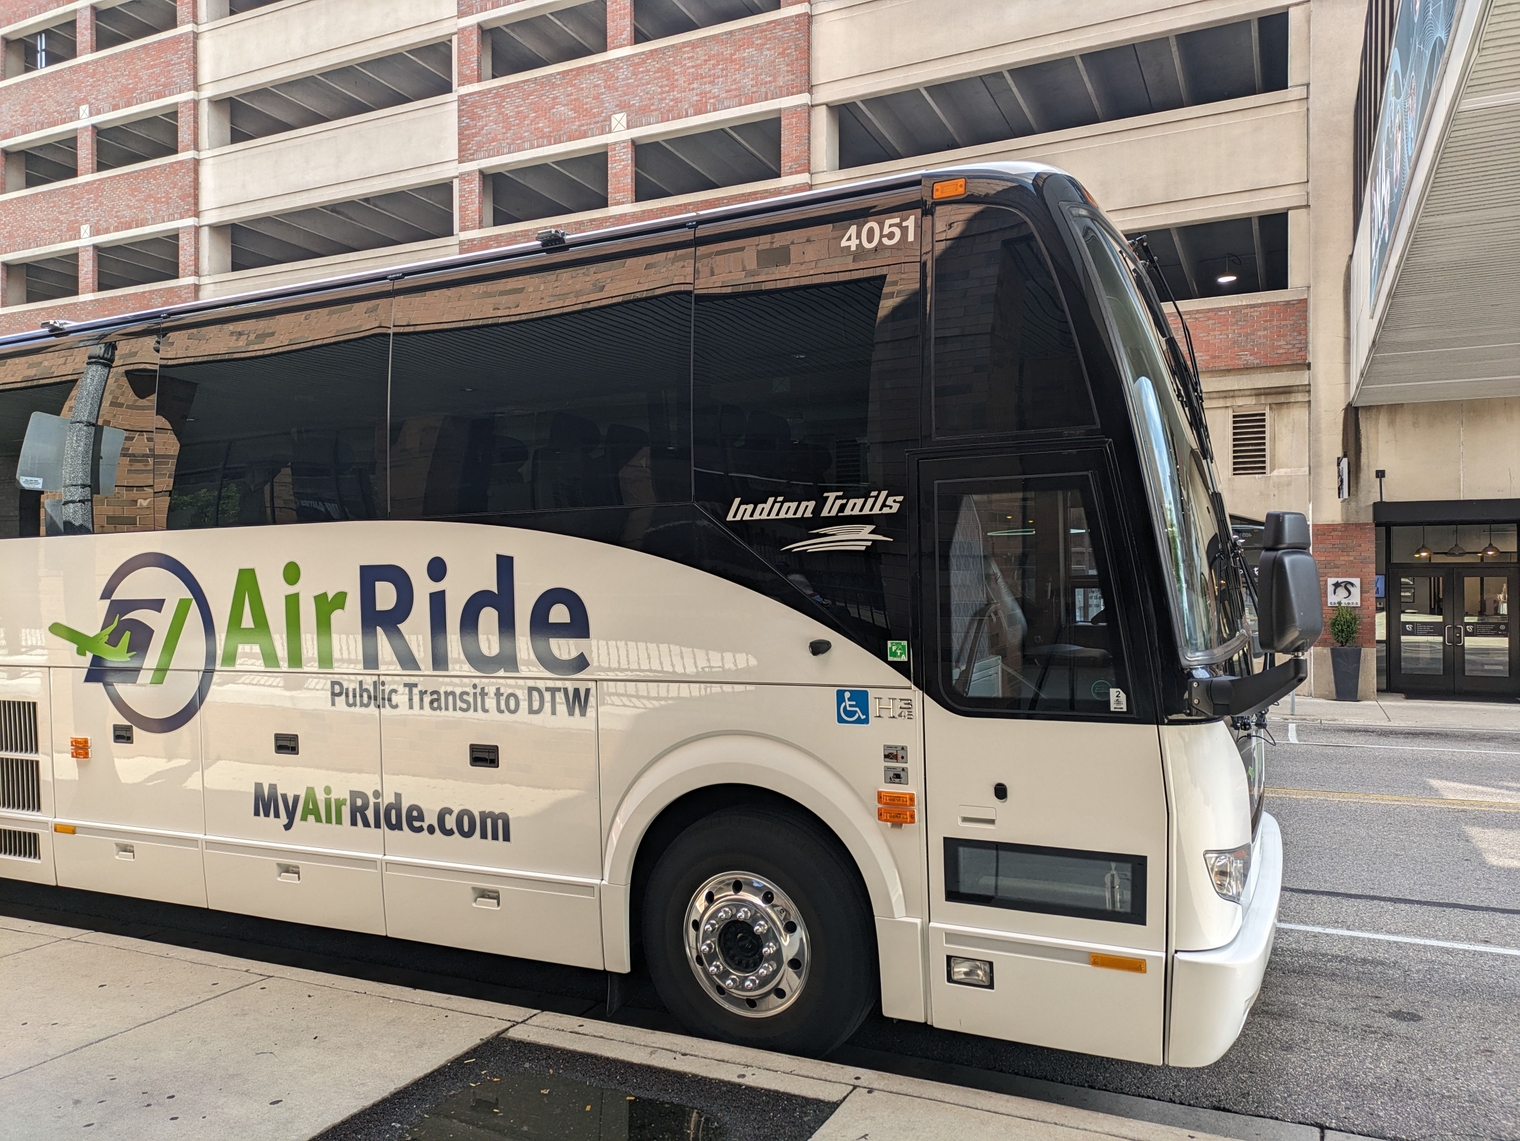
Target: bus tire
[757,931]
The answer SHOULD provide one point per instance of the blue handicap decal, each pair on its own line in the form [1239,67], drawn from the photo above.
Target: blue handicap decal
[852,706]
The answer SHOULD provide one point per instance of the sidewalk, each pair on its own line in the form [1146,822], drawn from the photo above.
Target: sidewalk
[135,1039]
[1394,711]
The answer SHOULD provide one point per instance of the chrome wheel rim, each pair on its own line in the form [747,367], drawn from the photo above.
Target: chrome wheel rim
[746,944]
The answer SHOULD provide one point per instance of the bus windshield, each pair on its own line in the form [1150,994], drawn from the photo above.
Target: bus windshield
[1174,465]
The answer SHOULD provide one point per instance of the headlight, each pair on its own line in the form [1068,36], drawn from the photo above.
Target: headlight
[1228,871]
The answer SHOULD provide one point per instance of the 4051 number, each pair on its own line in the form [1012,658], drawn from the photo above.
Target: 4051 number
[897,230]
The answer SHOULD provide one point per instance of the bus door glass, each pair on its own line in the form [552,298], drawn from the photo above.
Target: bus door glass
[552,398]
[1046,821]
[277,417]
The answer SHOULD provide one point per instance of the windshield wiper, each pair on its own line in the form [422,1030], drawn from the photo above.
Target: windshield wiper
[1185,369]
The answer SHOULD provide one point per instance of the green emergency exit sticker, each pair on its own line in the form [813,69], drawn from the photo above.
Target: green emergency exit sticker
[897,651]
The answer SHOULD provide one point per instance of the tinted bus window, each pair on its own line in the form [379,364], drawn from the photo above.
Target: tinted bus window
[275,418]
[567,387]
[806,400]
[40,393]
[1005,359]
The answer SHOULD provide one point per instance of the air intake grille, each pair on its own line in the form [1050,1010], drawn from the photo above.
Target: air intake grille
[20,784]
[1248,443]
[19,845]
[18,726]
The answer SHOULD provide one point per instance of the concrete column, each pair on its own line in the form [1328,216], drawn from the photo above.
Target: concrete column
[215,250]
[215,116]
[189,263]
[88,271]
[84,30]
[15,171]
[85,142]
[824,139]
[619,24]
[619,173]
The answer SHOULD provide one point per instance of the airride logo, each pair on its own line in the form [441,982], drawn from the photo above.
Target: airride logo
[169,677]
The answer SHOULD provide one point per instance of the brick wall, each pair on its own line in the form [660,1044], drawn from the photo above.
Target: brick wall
[719,72]
[137,73]
[1273,333]
[110,202]
[105,305]
[1350,550]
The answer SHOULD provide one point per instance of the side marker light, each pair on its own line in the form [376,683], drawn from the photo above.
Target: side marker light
[1117,962]
[66,829]
[79,748]
[896,798]
[897,815]
[949,188]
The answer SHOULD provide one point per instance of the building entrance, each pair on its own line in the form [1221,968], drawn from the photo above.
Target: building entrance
[1452,632]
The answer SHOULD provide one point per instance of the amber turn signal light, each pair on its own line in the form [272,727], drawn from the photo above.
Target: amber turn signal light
[897,815]
[1117,962]
[896,798]
[949,188]
[79,748]
[66,829]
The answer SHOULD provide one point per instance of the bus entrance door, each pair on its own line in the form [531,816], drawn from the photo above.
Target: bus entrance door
[1046,808]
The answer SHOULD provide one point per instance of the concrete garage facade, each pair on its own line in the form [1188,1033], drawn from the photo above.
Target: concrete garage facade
[158,151]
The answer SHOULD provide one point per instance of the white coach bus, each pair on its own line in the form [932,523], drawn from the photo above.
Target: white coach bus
[825,602]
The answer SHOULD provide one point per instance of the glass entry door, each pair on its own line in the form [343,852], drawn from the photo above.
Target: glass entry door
[1452,632]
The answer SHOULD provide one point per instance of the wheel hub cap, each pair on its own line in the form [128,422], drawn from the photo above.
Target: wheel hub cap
[746,944]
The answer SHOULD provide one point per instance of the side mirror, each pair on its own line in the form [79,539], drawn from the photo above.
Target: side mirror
[1287,586]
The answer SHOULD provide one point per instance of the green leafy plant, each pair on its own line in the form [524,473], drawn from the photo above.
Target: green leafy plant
[1344,624]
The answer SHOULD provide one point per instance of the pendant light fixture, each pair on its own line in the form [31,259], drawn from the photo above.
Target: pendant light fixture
[1490,552]
[1456,550]
[1424,551]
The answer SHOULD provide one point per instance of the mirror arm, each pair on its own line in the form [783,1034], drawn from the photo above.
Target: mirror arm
[1242,696]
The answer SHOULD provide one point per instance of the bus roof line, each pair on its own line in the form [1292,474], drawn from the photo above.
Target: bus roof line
[52,333]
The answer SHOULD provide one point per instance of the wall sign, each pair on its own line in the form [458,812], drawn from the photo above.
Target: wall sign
[1347,591]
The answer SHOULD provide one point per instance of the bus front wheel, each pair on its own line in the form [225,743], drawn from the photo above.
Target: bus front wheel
[757,931]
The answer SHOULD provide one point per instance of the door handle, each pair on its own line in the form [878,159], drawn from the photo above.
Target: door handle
[1446,638]
[289,873]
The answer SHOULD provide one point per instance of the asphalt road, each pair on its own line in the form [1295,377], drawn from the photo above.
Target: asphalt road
[1409,834]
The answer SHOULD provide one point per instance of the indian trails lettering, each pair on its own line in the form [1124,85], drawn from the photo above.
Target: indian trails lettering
[834,503]
[386,597]
[367,810]
[557,700]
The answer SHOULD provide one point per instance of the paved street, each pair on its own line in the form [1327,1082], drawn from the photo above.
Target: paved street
[1390,831]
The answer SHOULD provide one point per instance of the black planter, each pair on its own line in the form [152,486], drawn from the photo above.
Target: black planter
[1346,666]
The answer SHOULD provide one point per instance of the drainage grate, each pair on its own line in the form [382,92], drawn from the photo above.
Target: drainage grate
[18,726]
[20,784]
[19,845]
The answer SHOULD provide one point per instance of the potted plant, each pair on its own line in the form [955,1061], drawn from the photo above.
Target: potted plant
[1345,658]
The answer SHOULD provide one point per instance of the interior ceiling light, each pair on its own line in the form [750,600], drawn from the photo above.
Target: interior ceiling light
[1490,551]
[1424,551]
[1227,277]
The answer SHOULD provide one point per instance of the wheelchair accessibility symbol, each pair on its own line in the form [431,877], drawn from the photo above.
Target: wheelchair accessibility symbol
[852,706]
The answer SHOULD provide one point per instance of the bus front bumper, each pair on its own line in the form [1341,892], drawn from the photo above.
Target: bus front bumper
[1212,991]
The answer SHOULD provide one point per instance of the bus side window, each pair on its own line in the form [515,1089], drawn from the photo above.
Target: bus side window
[274,418]
[40,395]
[1026,616]
[544,389]
[1005,359]
[806,380]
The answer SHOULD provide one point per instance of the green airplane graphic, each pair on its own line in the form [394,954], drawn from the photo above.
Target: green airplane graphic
[96,643]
